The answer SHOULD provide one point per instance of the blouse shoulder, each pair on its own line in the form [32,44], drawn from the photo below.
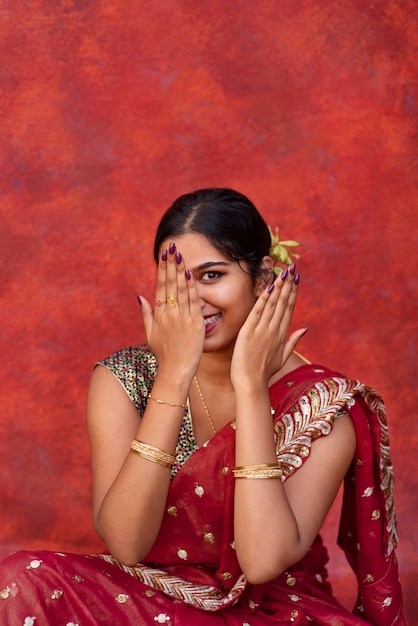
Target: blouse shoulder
[136,368]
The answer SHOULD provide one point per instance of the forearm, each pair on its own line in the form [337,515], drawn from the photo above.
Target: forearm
[130,515]
[266,532]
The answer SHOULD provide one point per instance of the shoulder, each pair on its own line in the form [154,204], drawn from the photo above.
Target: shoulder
[314,389]
[138,358]
[135,367]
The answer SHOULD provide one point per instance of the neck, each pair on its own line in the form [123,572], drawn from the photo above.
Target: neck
[215,368]
[214,378]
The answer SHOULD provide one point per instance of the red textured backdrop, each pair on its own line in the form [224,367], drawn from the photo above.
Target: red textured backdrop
[111,109]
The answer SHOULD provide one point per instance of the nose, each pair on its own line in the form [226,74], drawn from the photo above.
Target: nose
[202,300]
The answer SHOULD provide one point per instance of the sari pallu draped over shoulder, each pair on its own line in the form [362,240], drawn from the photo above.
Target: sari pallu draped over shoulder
[368,532]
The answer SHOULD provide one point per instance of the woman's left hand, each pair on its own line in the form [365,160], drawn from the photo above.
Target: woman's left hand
[263,345]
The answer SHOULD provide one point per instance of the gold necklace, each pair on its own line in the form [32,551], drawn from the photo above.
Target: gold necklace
[212,425]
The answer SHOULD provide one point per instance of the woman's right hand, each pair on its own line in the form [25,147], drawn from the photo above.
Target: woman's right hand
[129,492]
[175,328]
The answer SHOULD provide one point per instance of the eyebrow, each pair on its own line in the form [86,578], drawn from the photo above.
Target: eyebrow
[205,266]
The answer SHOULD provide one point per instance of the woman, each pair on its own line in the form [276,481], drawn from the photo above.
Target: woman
[217,452]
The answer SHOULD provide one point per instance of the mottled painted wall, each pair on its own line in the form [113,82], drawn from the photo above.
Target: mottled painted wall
[109,110]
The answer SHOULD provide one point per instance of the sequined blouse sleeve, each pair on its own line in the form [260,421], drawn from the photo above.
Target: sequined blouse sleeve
[135,368]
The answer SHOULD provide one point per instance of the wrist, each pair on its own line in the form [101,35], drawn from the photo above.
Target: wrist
[250,387]
[251,403]
[171,389]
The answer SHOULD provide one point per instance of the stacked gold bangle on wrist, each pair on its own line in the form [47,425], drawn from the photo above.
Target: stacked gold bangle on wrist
[152,454]
[260,470]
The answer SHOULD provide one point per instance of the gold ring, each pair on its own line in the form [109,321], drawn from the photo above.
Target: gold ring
[172,300]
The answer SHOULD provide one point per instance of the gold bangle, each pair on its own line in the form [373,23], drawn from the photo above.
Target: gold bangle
[153,454]
[256,466]
[183,406]
[261,470]
[270,473]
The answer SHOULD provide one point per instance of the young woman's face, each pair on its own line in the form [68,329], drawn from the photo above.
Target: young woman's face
[227,294]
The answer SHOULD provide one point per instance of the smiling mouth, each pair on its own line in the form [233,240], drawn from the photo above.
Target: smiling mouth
[212,319]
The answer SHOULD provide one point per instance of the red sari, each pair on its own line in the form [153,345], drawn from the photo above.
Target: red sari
[192,576]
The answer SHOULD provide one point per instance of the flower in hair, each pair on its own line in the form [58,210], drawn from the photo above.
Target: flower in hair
[281,251]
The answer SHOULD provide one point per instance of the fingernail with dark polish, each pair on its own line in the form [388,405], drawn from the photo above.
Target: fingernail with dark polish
[188,274]
[172,248]
[139,300]
[284,274]
[270,288]
[179,258]
[304,332]
[296,279]
[164,255]
[292,269]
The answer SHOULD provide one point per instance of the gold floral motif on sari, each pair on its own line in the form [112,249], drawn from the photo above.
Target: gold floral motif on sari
[310,418]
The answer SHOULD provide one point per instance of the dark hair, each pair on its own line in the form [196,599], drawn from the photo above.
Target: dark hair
[226,217]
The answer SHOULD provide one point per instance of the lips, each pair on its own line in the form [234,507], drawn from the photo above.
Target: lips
[211,320]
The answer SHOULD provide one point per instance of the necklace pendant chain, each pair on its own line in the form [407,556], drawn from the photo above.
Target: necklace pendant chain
[212,425]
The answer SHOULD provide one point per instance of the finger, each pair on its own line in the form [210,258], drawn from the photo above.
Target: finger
[161,288]
[289,295]
[171,275]
[273,300]
[257,313]
[182,287]
[187,293]
[292,342]
[282,299]
[147,316]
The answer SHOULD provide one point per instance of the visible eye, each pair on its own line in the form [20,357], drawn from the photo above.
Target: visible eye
[211,276]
